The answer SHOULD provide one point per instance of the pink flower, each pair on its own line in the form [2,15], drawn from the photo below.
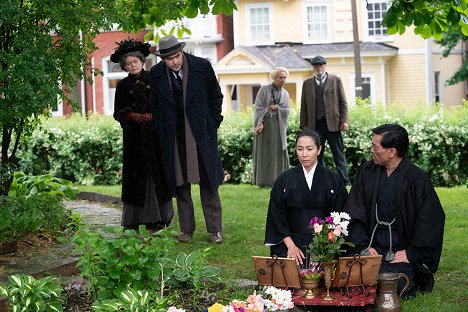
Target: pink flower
[331,236]
[337,230]
[318,227]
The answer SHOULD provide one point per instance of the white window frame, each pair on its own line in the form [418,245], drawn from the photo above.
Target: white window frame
[352,88]
[106,76]
[305,24]
[269,6]
[365,23]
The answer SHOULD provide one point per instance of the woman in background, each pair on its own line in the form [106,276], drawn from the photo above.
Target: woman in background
[145,196]
[298,195]
[270,148]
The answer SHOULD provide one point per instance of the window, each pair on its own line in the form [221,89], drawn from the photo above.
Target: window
[317,23]
[368,88]
[437,86]
[376,11]
[260,23]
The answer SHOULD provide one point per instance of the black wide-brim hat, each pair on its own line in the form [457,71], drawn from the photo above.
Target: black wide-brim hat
[129,45]
[169,45]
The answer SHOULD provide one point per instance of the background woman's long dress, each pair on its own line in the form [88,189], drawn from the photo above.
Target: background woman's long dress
[270,153]
[145,194]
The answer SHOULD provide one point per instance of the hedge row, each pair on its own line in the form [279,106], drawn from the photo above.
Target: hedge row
[89,150]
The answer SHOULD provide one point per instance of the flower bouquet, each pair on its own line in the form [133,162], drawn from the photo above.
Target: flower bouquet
[329,236]
[327,242]
[272,299]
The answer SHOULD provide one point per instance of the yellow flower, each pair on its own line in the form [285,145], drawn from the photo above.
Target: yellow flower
[216,308]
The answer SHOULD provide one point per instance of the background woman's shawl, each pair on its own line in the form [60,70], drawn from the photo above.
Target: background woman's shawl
[263,100]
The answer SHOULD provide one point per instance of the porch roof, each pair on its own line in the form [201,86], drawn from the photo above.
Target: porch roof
[343,49]
[278,55]
[296,55]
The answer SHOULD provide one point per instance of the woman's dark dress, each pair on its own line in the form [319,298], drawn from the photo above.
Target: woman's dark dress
[292,205]
[144,189]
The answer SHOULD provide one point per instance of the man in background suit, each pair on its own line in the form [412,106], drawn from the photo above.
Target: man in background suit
[324,109]
[186,103]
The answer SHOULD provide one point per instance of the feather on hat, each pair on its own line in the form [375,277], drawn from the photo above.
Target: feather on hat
[129,45]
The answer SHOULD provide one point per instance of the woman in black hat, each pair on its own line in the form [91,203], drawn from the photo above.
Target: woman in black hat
[144,189]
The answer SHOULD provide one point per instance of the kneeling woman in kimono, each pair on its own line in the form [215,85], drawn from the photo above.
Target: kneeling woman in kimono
[299,194]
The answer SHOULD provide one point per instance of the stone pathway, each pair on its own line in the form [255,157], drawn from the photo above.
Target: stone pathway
[36,256]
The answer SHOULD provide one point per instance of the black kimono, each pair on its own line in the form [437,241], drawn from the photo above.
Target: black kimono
[145,194]
[419,219]
[293,205]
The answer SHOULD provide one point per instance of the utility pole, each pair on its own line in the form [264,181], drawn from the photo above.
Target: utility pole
[357,51]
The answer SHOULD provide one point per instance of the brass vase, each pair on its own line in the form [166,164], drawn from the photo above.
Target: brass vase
[327,269]
[309,286]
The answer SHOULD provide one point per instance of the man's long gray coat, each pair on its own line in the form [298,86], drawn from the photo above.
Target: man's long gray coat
[203,105]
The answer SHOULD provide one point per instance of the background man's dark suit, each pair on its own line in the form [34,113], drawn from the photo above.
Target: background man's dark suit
[329,126]
[203,105]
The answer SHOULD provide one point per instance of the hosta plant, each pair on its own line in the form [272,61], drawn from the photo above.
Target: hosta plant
[27,294]
[131,300]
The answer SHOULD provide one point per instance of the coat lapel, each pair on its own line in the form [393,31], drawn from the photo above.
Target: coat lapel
[164,85]
[193,83]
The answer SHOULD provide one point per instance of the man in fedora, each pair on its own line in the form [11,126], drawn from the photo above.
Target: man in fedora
[324,109]
[186,103]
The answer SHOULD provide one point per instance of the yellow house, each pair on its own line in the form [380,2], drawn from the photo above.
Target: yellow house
[395,68]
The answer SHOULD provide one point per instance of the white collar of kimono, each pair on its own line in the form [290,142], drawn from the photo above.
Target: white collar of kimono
[309,175]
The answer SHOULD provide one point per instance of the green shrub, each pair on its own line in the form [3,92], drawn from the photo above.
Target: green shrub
[23,215]
[26,185]
[89,150]
[136,260]
[25,293]
[84,150]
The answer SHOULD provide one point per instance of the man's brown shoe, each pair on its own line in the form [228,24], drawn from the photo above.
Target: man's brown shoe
[185,237]
[215,238]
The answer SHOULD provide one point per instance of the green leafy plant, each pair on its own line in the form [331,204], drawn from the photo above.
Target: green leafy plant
[132,300]
[37,213]
[29,185]
[189,268]
[27,294]
[118,259]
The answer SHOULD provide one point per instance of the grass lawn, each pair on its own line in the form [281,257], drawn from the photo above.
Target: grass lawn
[244,214]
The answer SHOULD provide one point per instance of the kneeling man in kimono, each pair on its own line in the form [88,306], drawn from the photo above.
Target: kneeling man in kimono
[395,211]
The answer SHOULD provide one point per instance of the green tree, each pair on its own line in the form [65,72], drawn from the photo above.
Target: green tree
[449,40]
[430,18]
[45,46]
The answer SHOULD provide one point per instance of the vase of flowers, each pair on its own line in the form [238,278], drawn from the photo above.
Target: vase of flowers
[310,279]
[327,242]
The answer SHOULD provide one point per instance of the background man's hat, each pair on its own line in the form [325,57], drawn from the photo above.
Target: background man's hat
[129,45]
[318,60]
[169,45]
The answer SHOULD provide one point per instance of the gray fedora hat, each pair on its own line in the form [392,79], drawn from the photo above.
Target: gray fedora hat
[318,60]
[169,45]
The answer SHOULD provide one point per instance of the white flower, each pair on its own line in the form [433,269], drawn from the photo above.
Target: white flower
[174,309]
[228,308]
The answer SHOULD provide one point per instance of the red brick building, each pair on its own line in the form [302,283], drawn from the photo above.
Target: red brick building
[212,38]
